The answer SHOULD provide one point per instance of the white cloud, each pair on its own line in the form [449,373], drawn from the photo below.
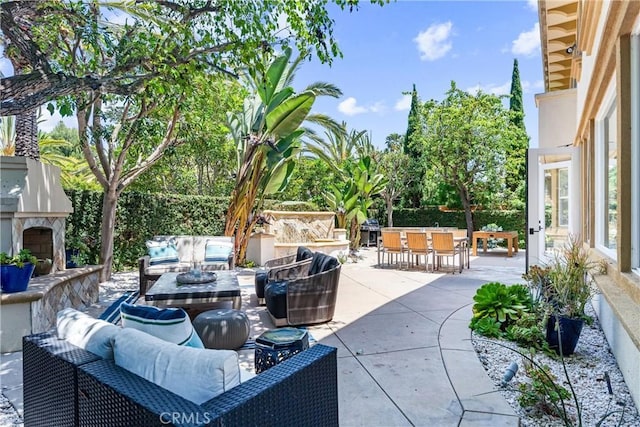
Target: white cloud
[528,42]
[434,42]
[378,107]
[403,103]
[350,107]
[533,5]
[493,88]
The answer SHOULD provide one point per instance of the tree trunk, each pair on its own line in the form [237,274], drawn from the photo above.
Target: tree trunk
[468,215]
[109,205]
[27,135]
[354,235]
[389,212]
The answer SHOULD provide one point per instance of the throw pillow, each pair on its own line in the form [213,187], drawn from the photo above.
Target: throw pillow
[217,251]
[84,331]
[195,374]
[169,324]
[162,252]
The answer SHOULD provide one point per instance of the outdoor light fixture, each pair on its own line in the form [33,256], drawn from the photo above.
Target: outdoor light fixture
[509,373]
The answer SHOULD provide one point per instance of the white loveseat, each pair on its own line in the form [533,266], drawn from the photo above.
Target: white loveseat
[182,253]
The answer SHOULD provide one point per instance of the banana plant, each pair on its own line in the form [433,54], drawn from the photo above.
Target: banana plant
[267,134]
[351,200]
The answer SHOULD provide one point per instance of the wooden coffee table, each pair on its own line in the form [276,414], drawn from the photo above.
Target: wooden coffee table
[165,292]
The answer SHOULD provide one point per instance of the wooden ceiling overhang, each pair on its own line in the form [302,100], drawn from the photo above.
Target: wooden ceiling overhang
[559,37]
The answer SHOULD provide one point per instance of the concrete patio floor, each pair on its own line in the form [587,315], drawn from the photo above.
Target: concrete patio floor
[404,351]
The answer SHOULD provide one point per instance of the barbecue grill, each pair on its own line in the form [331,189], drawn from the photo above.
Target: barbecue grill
[369,232]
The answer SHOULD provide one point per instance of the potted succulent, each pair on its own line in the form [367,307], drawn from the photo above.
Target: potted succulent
[16,271]
[567,288]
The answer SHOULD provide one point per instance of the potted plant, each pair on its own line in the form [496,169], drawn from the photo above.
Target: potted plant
[568,288]
[16,271]
[76,250]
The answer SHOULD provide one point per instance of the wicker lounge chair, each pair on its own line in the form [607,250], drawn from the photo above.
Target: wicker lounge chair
[273,266]
[304,296]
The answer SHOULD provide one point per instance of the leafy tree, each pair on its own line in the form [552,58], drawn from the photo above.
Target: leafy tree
[413,193]
[394,164]
[204,164]
[8,135]
[267,133]
[128,83]
[310,178]
[517,149]
[464,144]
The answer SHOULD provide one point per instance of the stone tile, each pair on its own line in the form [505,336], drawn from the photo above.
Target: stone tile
[333,341]
[477,395]
[455,334]
[416,382]
[482,419]
[432,298]
[361,400]
[389,332]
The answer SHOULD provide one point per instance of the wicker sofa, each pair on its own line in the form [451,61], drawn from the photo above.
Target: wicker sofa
[190,251]
[65,385]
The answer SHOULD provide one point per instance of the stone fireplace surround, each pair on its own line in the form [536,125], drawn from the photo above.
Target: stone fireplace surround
[31,197]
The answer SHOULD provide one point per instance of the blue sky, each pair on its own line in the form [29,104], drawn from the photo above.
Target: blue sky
[388,49]
[429,43]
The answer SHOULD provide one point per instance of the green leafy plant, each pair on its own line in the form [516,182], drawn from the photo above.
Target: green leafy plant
[570,279]
[542,392]
[527,331]
[23,257]
[500,303]
[488,327]
[491,242]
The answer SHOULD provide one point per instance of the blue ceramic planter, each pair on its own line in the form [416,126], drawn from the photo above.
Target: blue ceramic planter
[14,278]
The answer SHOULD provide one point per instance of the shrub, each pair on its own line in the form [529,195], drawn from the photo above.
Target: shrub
[499,303]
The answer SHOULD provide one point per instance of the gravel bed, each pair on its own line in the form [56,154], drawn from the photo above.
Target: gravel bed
[586,370]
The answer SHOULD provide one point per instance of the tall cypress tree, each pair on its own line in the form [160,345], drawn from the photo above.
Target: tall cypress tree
[517,150]
[413,125]
[413,193]
[515,103]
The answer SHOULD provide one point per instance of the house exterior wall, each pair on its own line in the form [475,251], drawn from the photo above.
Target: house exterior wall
[556,118]
[607,91]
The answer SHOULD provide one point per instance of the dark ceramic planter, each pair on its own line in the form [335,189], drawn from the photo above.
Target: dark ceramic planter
[69,254]
[568,337]
[14,278]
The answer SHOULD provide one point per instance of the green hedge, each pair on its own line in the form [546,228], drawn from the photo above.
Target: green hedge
[140,216]
[507,219]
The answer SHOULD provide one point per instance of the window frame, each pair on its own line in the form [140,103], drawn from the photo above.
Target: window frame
[609,103]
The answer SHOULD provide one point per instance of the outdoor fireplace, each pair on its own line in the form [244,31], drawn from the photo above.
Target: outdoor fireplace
[33,209]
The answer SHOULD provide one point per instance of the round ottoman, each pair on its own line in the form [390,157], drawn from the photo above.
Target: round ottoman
[222,328]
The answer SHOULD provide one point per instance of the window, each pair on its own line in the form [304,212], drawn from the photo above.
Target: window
[563,197]
[606,169]
[610,187]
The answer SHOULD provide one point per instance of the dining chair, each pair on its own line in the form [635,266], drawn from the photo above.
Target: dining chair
[418,245]
[444,245]
[461,238]
[392,245]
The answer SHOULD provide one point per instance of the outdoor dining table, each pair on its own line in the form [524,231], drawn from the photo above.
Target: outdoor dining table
[511,236]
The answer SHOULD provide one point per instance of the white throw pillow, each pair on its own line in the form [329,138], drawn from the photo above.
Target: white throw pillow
[193,373]
[84,331]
